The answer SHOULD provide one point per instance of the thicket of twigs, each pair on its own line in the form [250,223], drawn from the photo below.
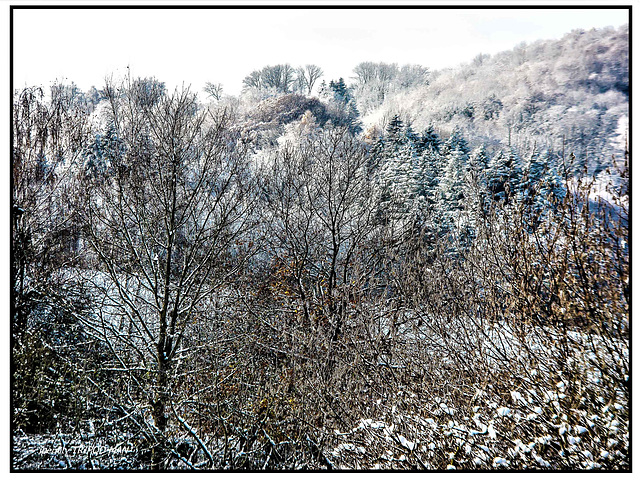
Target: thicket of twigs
[287,324]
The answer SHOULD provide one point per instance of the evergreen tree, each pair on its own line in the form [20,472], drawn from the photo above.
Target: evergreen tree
[455,153]
[429,138]
[430,170]
[541,186]
[103,153]
[456,141]
[323,89]
[426,213]
[394,137]
[452,183]
[411,136]
[551,184]
[398,180]
[395,127]
[340,90]
[353,117]
[535,168]
[475,185]
[504,174]
[340,100]
[478,161]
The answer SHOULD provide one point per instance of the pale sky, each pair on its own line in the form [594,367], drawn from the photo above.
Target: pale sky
[223,46]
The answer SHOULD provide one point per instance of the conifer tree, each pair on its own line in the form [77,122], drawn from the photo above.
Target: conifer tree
[394,137]
[537,165]
[475,184]
[452,183]
[430,171]
[410,135]
[553,184]
[504,174]
[429,138]
[478,161]
[456,141]
[103,153]
[339,89]
[397,179]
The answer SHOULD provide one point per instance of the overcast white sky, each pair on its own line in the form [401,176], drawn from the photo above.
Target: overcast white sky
[223,46]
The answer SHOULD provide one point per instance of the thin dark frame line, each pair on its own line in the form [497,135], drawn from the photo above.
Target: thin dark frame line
[320,7]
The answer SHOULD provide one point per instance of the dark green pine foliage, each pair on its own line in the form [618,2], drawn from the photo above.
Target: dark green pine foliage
[476,183]
[452,183]
[341,94]
[393,139]
[516,173]
[375,155]
[353,117]
[323,89]
[456,141]
[535,168]
[430,217]
[429,173]
[504,174]
[403,186]
[478,162]
[553,186]
[340,90]
[534,171]
[428,204]
[411,136]
[397,172]
[428,139]
[541,187]
[455,155]
[394,130]
[103,153]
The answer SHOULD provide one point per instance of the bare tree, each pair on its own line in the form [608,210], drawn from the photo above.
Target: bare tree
[321,206]
[307,77]
[365,72]
[279,77]
[164,229]
[253,80]
[214,90]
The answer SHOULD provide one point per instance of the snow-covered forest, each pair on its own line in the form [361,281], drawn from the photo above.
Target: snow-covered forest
[401,268]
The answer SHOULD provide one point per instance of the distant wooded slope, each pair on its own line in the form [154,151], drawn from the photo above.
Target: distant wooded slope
[573,91]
